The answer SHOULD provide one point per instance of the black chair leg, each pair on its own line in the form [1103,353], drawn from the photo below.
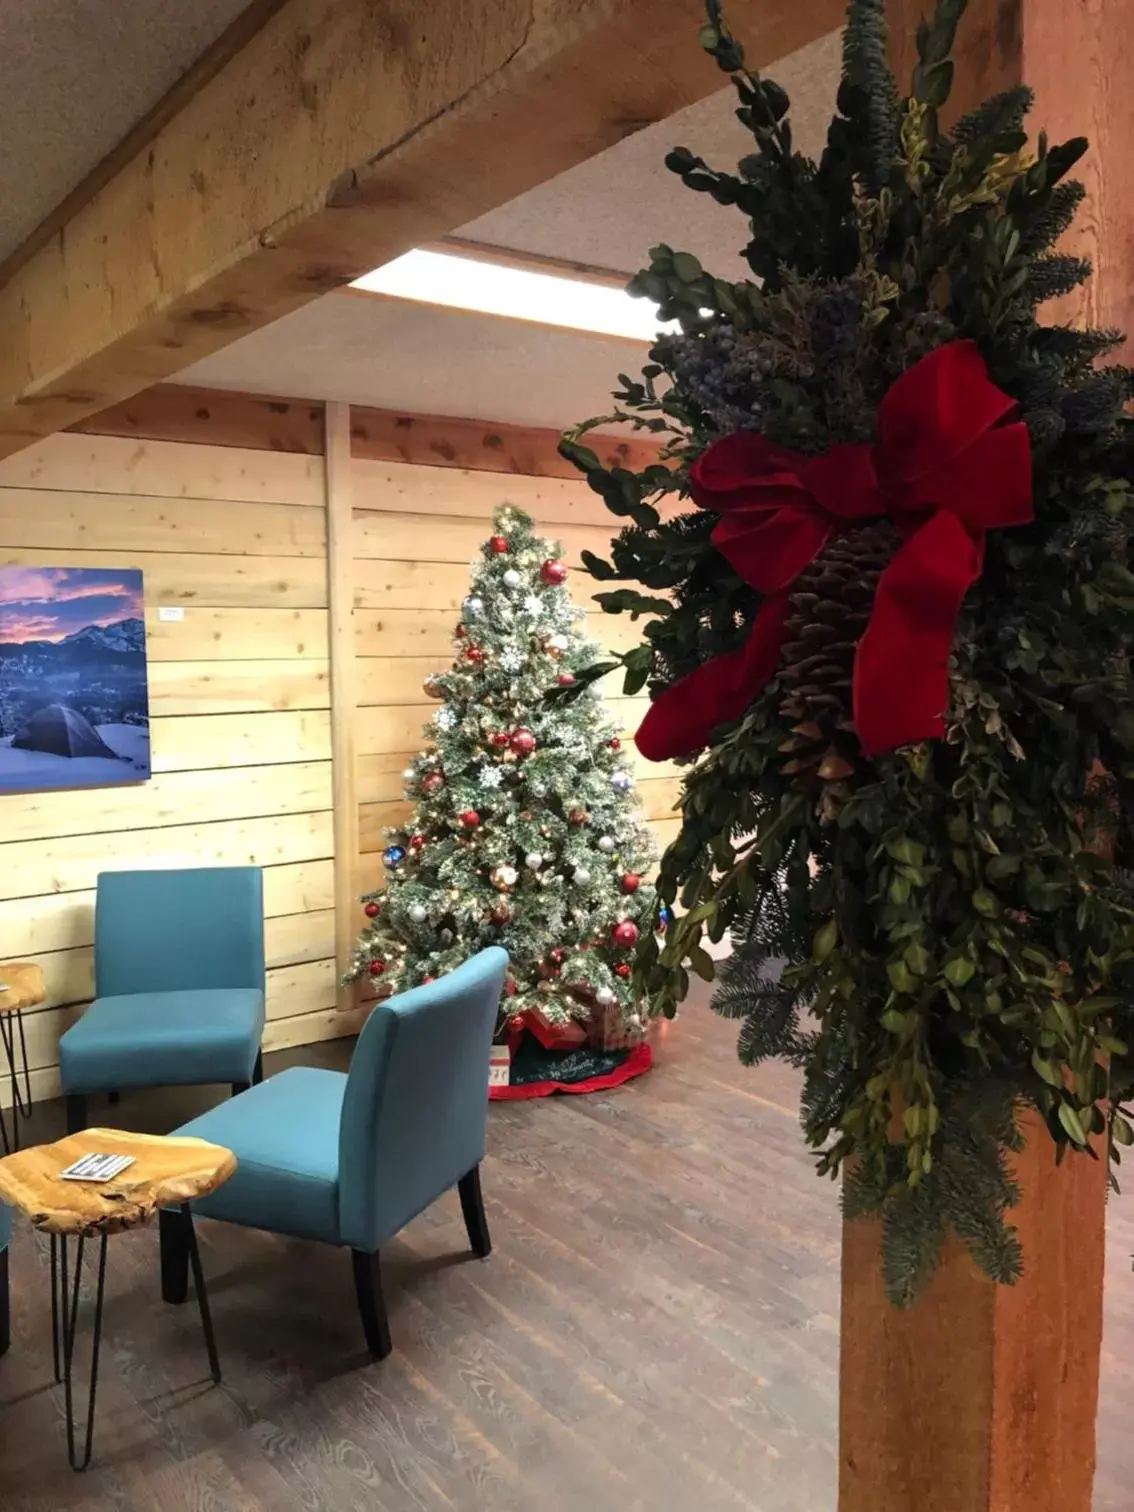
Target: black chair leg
[175,1256]
[5,1304]
[371,1303]
[76,1112]
[257,1077]
[472,1206]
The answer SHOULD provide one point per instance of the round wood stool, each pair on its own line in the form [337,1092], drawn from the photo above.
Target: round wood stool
[166,1173]
[21,986]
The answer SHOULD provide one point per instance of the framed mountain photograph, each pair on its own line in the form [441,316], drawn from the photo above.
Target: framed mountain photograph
[74,704]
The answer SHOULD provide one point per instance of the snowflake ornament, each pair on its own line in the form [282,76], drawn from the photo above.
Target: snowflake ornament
[490,777]
[533,605]
[445,719]
[512,660]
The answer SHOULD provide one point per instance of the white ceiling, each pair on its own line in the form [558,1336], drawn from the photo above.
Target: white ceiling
[75,76]
[606,212]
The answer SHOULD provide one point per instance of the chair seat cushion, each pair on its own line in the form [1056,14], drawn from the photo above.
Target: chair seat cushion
[159,1039]
[285,1136]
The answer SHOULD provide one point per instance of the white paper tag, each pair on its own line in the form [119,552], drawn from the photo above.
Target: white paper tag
[97,1167]
[499,1066]
[171,614]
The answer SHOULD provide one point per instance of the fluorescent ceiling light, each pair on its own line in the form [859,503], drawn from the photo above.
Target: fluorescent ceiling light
[469,283]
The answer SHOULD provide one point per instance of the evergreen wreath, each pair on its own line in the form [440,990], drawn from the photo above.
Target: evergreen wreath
[937,931]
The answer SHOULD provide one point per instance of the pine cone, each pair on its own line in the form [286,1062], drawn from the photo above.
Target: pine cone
[831,605]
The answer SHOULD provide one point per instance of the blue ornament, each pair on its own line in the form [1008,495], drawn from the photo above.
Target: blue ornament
[394,855]
[665,916]
[621,782]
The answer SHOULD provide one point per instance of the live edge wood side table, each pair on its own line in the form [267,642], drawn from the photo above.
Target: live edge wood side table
[22,987]
[167,1173]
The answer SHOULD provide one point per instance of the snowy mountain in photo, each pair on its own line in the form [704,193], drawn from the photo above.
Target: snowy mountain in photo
[127,635]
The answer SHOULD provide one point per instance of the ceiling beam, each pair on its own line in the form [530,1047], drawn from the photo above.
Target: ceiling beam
[343,133]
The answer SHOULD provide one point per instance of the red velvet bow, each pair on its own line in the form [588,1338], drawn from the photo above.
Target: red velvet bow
[943,469]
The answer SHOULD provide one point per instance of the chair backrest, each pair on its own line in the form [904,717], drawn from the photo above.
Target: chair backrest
[416,1107]
[177,931]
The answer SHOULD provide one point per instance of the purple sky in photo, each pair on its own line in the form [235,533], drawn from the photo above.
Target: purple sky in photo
[50,603]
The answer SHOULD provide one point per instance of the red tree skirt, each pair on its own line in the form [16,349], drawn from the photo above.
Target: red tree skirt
[635,1063]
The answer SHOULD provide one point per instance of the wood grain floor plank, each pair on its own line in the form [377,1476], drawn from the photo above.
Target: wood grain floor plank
[655,1331]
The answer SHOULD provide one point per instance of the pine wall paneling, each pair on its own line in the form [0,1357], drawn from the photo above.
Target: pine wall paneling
[240,700]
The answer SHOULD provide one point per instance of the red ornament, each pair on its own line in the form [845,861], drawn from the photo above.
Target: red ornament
[553,572]
[625,934]
[614,743]
[475,655]
[469,819]
[631,882]
[461,632]
[510,988]
[377,968]
[548,970]
[566,679]
[500,915]
[943,469]
[498,545]
[432,782]
[556,955]
[416,842]
[622,970]
[499,739]
[372,909]
[426,979]
[522,741]
[516,1022]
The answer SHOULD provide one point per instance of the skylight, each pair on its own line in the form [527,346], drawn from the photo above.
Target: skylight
[469,283]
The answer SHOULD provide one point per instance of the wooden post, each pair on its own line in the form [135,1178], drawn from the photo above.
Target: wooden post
[983,1398]
[340,598]
[980,1398]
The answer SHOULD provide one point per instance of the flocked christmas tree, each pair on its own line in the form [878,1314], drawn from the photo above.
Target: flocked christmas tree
[526,830]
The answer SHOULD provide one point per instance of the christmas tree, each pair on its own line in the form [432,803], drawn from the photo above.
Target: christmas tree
[526,830]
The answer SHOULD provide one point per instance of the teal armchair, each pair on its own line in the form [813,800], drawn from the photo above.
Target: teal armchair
[349,1158]
[179,978]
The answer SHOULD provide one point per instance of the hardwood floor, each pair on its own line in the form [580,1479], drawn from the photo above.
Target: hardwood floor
[657,1328]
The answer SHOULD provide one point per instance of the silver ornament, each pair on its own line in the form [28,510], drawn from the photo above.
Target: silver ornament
[512,579]
[418,914]
[409,775]
[533,861]
[621,782]
[607,845]
[472,606]
[558,642]
[605,996]
[582,876]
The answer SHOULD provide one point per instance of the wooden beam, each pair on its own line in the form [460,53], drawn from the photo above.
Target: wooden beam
[979,1398]
[213,417]
[344,133]
[231,41]
[340,597]
[216,417]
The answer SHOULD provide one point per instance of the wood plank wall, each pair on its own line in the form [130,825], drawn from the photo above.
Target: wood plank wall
[239,699]
[417,528]
[222,501]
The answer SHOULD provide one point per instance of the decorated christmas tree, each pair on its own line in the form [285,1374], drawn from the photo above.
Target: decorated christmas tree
[526,831]
[898,641]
